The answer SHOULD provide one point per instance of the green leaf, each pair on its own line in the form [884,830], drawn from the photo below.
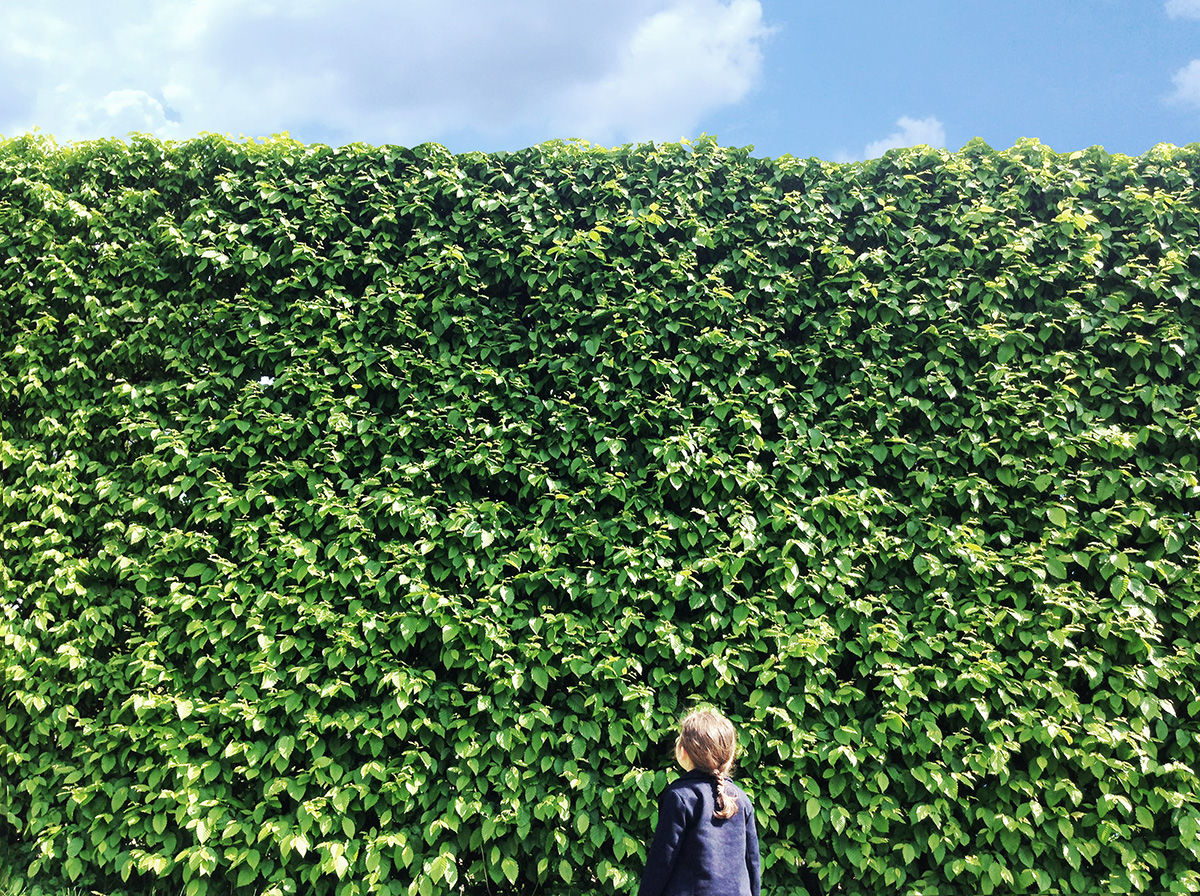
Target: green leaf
[510,869]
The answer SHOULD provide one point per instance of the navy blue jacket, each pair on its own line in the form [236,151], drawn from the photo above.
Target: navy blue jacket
[694,854]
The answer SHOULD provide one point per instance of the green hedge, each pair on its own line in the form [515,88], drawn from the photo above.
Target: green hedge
[370,515]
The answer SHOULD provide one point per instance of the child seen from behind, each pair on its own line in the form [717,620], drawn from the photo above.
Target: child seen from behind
[705,841]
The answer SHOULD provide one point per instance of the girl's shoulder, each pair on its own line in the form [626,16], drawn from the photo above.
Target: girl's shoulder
[689,787]
[689,781]
[742,796]
[702,781]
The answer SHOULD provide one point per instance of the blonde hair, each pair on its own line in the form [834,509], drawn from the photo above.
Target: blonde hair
[710,742]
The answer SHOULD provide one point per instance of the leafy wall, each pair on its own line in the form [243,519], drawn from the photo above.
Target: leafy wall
[370,515]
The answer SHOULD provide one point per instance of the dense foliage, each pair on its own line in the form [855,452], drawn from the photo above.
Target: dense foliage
[370,515]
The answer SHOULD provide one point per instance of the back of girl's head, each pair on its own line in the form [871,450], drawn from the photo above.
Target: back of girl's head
[709,739]
[711,744]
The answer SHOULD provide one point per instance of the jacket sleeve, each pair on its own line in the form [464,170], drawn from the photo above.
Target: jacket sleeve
[753,860]
[664,848]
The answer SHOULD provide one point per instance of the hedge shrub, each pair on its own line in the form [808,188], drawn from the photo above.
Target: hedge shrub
[370,515]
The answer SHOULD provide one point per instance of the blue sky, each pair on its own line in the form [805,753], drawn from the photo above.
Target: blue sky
[837,80]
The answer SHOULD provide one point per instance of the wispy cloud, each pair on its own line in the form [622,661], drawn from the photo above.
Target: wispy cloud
[693,56]
[376,70]
[1183,9]
[909,132]
[1187,84]
[1186,79]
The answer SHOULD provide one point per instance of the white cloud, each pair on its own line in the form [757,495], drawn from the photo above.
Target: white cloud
[694,56]
[1187,84]
[119,112]
[1183,9]
[377,70]
[909,132]
[88,70]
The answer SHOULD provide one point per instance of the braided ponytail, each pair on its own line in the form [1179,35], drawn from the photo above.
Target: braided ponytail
[725,802]
[711,744]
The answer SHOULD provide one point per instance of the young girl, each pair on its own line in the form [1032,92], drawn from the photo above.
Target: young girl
[705,842]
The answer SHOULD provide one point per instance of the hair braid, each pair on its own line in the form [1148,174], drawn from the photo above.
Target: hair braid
[725,804]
